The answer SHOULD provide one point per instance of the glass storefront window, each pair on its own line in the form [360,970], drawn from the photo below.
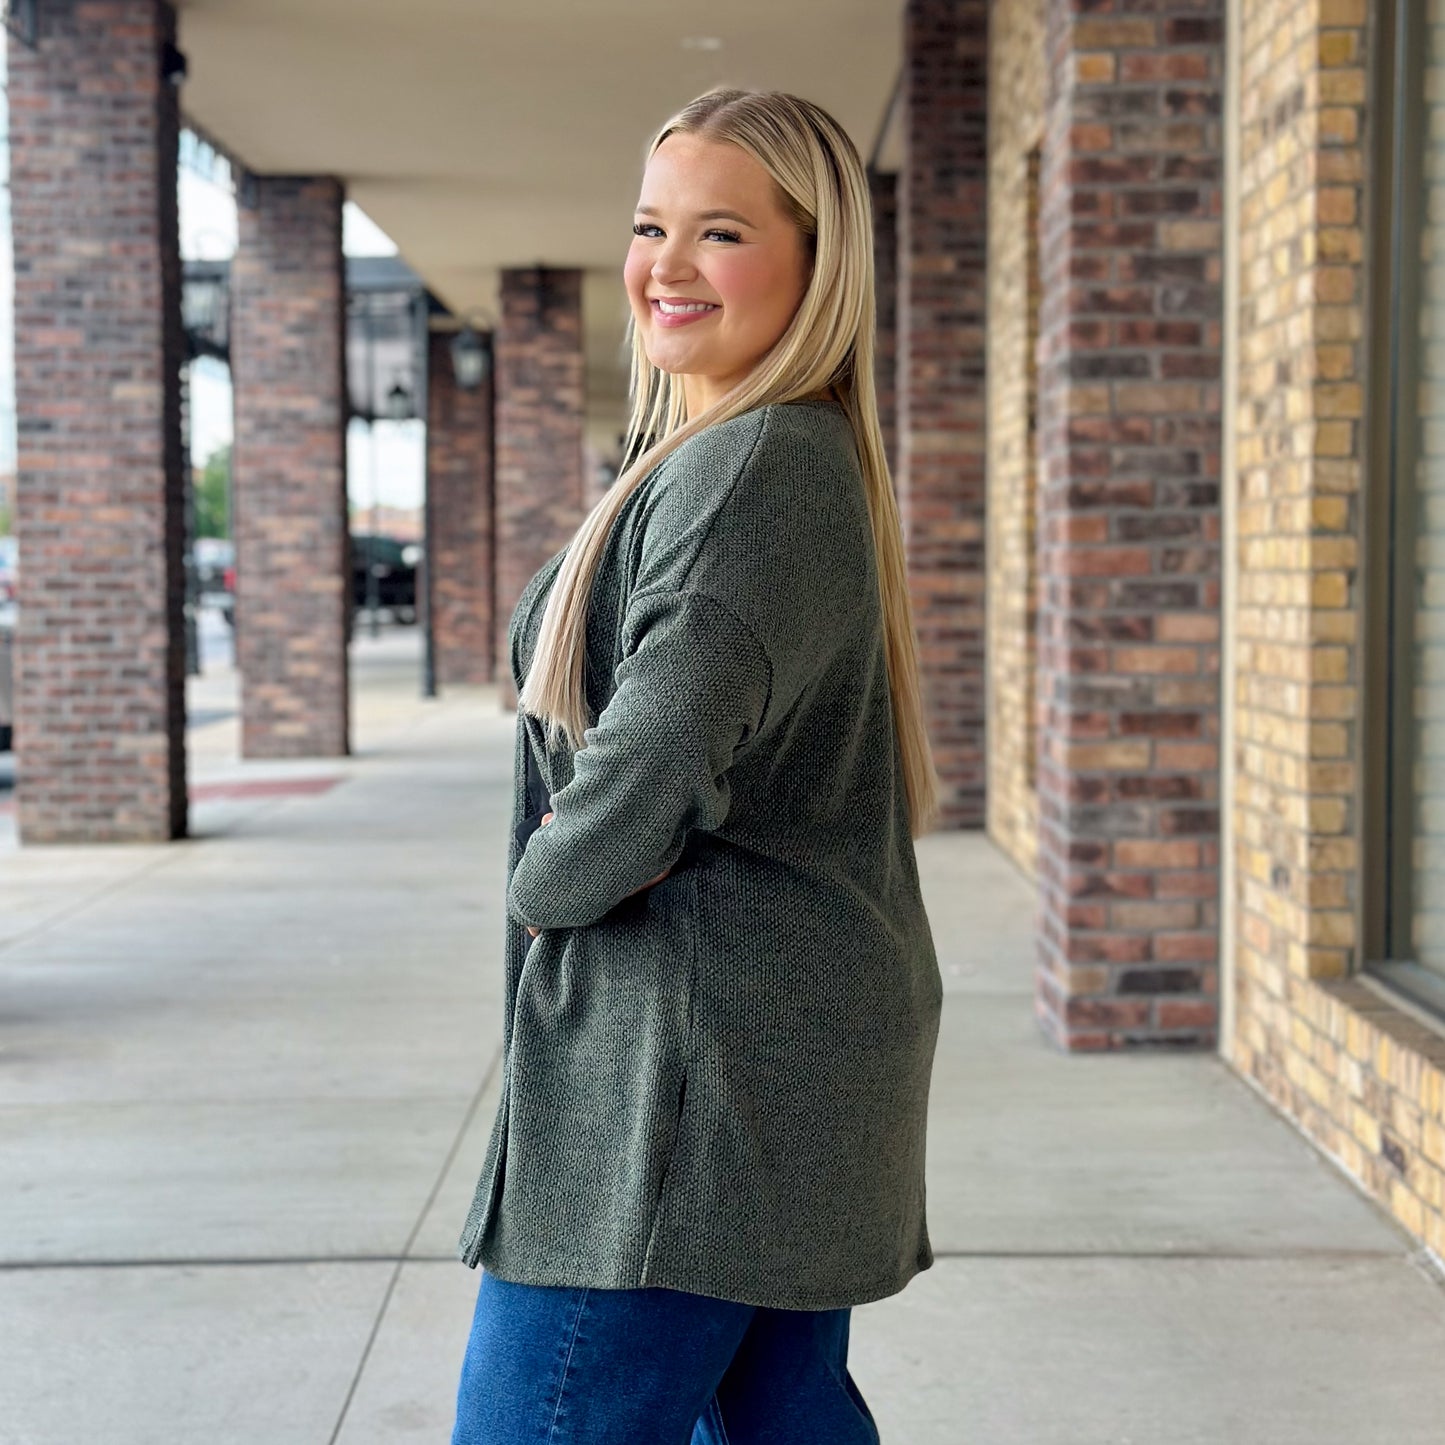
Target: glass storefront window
[1405,693]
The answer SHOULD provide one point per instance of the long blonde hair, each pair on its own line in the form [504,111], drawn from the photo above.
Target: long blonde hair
[829,342]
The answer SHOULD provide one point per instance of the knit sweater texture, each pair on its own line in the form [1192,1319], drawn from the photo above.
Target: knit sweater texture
[718,1083]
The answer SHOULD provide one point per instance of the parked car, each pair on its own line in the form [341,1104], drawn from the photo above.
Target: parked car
[227,594]
[213,557]
[9,590]
[7,687]
[393,563]
[9,570]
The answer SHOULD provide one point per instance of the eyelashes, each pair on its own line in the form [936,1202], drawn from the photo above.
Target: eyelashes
[638,227]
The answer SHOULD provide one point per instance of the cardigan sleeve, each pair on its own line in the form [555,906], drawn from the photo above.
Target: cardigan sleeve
[692,687]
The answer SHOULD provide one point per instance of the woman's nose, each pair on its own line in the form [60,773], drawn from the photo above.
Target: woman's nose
[672,263]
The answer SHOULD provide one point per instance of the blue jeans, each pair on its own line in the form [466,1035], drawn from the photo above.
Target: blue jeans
[548,1365]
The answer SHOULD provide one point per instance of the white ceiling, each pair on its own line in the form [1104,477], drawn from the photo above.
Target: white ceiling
[481,135]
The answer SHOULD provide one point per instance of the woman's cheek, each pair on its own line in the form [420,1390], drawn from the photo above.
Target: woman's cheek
[735,281]
[634,277]
[758,292]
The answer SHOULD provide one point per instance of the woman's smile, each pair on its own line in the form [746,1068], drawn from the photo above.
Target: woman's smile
[679,313]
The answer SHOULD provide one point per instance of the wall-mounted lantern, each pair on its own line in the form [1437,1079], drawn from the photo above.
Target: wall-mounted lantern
[173,65]
[399,403]
[471,357]
[19,18]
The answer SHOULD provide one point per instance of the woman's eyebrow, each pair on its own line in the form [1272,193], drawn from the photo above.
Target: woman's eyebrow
[702,215]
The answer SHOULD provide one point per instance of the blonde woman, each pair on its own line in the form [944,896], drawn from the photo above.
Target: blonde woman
[722,997]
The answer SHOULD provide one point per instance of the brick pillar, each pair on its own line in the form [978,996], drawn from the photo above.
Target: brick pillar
[942,250]
[293,578]
[1129,406]
[541,490]
[459,482]
[100,671]
[883,191]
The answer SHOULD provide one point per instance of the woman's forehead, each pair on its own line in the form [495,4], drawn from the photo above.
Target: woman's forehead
[686,160]
[692,175]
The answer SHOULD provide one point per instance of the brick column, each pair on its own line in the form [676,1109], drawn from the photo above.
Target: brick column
[942,247]
[883,192]
[1129,410]
[541,491]
[459,481]
[100,670]
[293,578]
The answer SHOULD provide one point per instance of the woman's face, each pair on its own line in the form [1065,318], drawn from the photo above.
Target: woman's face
[711,235]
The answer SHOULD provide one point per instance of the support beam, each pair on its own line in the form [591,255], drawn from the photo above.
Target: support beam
[100,668]
[943,243]
[460,484]
[1129,427]
[541,491]
[883,193]
[293,572]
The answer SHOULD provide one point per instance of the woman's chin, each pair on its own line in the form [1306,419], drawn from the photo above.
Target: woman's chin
[675,363]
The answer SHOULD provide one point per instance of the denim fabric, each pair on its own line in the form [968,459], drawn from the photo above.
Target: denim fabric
[557,1365]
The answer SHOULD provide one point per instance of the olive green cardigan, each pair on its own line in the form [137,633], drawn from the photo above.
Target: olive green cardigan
[719,1084]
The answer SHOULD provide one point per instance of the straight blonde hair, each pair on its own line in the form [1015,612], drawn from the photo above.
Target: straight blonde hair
[828,343]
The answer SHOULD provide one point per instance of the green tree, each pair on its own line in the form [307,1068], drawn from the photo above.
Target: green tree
[212,490]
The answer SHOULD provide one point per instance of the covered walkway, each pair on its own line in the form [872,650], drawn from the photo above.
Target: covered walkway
[247,1082]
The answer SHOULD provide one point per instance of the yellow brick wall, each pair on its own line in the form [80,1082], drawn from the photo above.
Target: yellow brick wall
[1363,1080]
[1015,123]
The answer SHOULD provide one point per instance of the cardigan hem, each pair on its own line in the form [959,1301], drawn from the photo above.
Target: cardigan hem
[690,1282]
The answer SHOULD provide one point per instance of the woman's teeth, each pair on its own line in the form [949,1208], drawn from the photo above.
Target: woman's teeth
[668,309]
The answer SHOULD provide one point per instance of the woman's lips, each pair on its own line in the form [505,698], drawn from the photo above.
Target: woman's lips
[663,318]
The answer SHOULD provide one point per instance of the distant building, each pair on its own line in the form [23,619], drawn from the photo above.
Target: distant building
[403,523]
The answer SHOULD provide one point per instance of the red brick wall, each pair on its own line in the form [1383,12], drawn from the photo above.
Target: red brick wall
[1129,524]
[883,191]
[541,490]
[100,707]
[459,483]
[943,240]
[293,581]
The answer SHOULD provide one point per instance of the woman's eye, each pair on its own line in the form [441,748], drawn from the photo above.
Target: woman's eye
[641,228]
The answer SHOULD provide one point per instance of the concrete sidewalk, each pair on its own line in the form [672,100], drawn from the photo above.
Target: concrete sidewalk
[246,1083]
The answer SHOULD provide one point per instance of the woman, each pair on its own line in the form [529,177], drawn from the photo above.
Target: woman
[722,996]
